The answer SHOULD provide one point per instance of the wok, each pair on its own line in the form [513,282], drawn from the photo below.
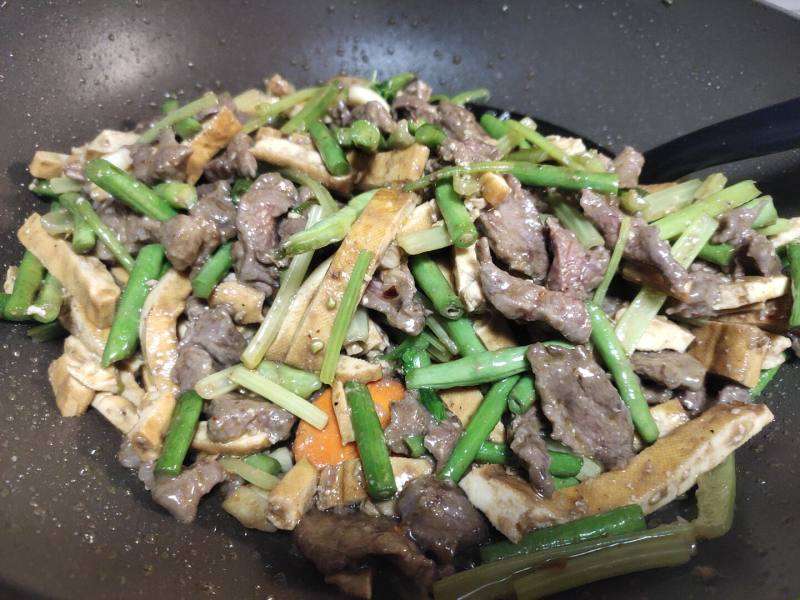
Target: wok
[74,523]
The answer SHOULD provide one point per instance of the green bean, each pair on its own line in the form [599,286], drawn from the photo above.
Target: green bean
[124,335]
[435,325]
[475,369]
[674,547]
[522,396]
[716,500]
[41,187]
[564,464]
[766,377]
[527,155]
[185,128]
[389,87]
[463,334]
[329,230]
[212,271]
[264,463]
[180,434]
[321,193]
[329,149]
[295,380]
[793,252]
[127,189]
[481,424]
[83,236]
[613,263]
[429,135]
[370,441]
[496,128]
[573,219]
[416,447]
[413,358]
[401,137]
[626,519]
[314,109]
[81,206]
[3,300]
[608,345]
[268,111]
[732,197]
[48,300]
[719,254]
[494,453]
[559,483]
[239,188]
[184,112]
[47,332]
[344,314]
[459,223]
[26,284]
[364,135]
[471,96]
[495,579]
[177,194]
[433,283]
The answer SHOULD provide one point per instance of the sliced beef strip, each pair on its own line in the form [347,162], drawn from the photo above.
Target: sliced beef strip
[467,151]
[217,334]
[736,226]
[440,518]
[189,239]
[655,394]
[375,113]
[413,102]
[759,252]
[393,293]
[755,251]
[442,437]
[236,160]
[131,229]
[336,542]
[670,369]
[268,199]
[515,232]
[231,417]
[466,140]
[521,299]
[644,245]
[578,398]
[181,495]
[340,114]
[694,401]
[527,443]
[574,270]
[192,365]
[732,393]
[408,418]
[628,165]
[704,291]
[164,161]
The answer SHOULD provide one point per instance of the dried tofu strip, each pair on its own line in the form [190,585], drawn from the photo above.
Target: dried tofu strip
[750,290]
[463,402]
[216,134]
[652,479]
[342,412]
[373,231]
[395,166]
[46,165]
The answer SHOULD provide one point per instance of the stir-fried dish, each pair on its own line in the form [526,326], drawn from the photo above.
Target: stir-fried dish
[409,335]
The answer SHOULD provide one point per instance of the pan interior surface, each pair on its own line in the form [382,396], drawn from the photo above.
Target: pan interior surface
[77,524]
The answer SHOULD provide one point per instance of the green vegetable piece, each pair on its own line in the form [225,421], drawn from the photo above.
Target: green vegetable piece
[314,109]
[522,396]
[429,135]
[184,128]
[364,135]
[213,271]
[125,188]
[264,463]
[181,431]
[416,447]
[48,301]
[239,189]
[82,207]
[184,112]
[431,281]
[47,332]
[26,284]
[413,358]
[463,334]
[613,263]
[389,87]
[475,369]
[179,195]
[456,217]
[267,112]
[716,500]
[329,149]
[494,453]
[564,464]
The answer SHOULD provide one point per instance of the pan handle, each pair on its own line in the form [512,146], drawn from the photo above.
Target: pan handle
[765,131]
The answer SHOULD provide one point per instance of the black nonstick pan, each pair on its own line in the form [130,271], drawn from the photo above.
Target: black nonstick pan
[74,523]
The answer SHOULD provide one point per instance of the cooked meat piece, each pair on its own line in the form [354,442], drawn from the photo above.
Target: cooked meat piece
[414,102]
[759,251]
[466,140]
[375,113]
[521,299]
[408,418]
[704,291]
[236,160]
[732,393]
[392,292]
[181,495]
[232,417]
[131,229]
[655,394]
[527,443]
[440,517]
[268,199]
[644,245]
[755,251]
[628,165]
[216,333]
[694,401]
[467,151]
[575,270]
[164,161]
[190,239]
[670,369]
[340,114]
[578,398]
[293,223]
[337,542]
[192,365]
[442,437]
[736,226]
[515,232]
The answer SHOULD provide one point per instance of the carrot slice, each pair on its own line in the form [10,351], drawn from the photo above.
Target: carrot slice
[324,447]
